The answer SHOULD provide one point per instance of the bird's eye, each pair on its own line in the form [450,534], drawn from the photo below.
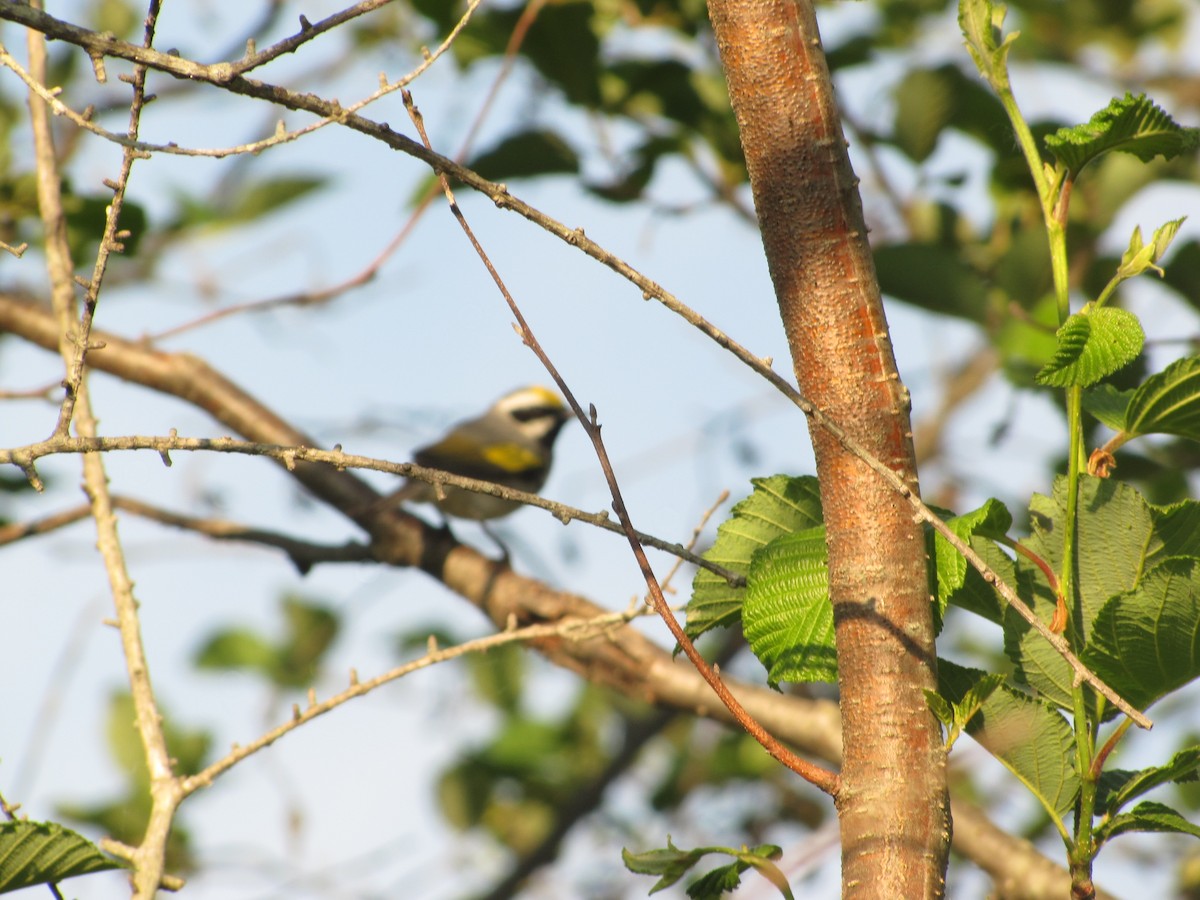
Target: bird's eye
[530,413]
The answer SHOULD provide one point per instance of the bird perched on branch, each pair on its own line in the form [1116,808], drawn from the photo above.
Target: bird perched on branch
[511,444]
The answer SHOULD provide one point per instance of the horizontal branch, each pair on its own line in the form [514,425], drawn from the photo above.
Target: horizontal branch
[25,458]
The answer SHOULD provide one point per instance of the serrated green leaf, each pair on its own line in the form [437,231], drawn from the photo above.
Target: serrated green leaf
[942,709]
[1031,739]
[981,23]
[991,520]
[525,155]
[1120,787]
[1108,404]
[779,505]
[1177,528]
[34,853]
[1121,538]
[1093,345]
[1117,542]
[1146,642]
[1147,816]
[1130,125]
[670,862]
[1167,402]
[787,618]
[974,594]
[715,883]
[956,714]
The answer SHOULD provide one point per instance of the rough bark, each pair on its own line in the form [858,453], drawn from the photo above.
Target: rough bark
[892,801]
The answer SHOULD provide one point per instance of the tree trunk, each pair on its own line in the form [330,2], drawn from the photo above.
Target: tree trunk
[892,801]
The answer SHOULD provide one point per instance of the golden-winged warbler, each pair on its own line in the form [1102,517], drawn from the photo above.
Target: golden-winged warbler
[511,444]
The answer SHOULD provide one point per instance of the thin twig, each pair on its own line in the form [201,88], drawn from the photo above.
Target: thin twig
[571,630]
[814,774]
[149,858]
[26,456]
[220,73]
[315,298]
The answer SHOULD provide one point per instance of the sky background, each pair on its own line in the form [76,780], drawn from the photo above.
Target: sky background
[386,368]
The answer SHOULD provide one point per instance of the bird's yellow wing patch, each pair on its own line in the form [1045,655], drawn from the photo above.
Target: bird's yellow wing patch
[512,458]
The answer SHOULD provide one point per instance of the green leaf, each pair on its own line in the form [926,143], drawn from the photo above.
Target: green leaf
[499,675]
[1031,739]
[1118,539]
[672,864]
[310,631]
[235,649]
[1027,342]
[716,883]
[563,44]
[527,154]
[639,167]
[1139,257]
[257,199]
[292,661]
[991,520]
[956,714]
[1148,816]
[924,107]
[1167,402]
[1129,124]
[1122,540]
[1146,642]
[981,24]
[34,853]
[779,505]
[1108,404]
[932,277]
[974,594]
[787,618]
[1183,275]
[660,88]
[248,201]
[1092,345]
[1120,787]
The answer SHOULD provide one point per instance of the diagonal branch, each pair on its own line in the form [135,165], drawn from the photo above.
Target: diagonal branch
[816,775]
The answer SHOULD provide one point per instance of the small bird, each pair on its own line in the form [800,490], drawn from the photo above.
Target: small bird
[511,444]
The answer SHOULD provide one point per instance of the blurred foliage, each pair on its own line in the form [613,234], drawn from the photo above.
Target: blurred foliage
[535,771]
[124,817]
[291,660]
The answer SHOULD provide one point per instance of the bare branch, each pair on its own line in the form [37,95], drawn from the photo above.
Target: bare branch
[816,775]
[570,630]
[220,74]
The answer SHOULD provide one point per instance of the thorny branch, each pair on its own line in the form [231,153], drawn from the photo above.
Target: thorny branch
[814,774]
[25,458]
[149,857]
[571,630]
